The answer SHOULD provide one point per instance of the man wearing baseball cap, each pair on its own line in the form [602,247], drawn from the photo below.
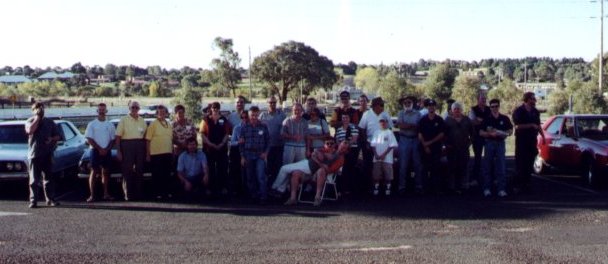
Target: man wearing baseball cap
[344,109]
[430,133]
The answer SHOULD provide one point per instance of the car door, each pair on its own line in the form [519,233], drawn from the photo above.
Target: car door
[547,149]
[70,149]
[565,147]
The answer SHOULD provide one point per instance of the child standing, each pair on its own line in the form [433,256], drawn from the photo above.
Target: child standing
[383,144]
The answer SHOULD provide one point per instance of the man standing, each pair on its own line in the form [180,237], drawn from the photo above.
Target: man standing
[311,103]
[458,134]
[294,132]
[527,126]
[407,122]
[100,135]
[495,128]
[43,135]
[370,123]
[344,109]
[131,151]
[254,150]
[239,106]
[430,133]
[273,119]
[478,113]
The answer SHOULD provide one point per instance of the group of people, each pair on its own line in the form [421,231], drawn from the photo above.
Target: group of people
[261,154]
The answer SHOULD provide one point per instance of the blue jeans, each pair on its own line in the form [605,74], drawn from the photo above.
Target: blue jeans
[409,151]
[494,155]
[256,178]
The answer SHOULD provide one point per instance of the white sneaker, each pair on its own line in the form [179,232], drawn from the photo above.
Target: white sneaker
[387,192]
[502,194]
[376,192]
[487,193]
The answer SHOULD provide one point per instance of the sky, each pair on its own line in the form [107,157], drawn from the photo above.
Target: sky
[177,33]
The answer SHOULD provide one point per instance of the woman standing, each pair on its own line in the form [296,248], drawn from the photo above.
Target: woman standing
[159,152]
[318,130]
[350,133]
[215,130]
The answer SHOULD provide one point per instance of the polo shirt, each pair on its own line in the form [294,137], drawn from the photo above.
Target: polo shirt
[430,128]
[161,137]
[501,123]
[131,128]
[38,147]
[521,116]
[292,127]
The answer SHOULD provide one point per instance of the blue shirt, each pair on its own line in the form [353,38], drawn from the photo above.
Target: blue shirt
[191,164]
[274,122]
[257,140]
[236,133]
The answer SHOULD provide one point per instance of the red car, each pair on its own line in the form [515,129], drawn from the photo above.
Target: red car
[575,143]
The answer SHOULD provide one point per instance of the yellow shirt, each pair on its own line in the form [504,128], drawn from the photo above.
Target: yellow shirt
[160,137]
[131,128]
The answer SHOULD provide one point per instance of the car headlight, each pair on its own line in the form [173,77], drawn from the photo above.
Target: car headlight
[9,166]
[18,166]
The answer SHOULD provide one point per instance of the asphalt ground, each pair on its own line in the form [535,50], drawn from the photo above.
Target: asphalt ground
[560,221]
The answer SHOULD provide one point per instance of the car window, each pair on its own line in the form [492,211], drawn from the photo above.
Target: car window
[593,128]
[68,133]
[555,126]
[569,128]
[13,134]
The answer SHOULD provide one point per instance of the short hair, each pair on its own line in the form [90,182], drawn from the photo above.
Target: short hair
[244,113]
[178,108]
[37,105]
[527,96]
[189,140]
[216,105]
[241,97]
[495,101]
[271,98]
[316,110]
[254,108]
[377,101]
[297,105]
[363,96]
[161,107]
[456,105]
[102,104]
[133,102]
[311,99]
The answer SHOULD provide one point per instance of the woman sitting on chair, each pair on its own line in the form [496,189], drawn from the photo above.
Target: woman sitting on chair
[322,162]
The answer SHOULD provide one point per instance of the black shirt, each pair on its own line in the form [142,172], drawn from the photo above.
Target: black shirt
[429,129]
[521,116]
[479,113]
[501,123]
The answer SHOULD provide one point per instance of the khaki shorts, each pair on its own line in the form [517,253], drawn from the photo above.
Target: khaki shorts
[382,169]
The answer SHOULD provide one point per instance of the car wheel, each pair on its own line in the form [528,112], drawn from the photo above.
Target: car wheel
[539,165]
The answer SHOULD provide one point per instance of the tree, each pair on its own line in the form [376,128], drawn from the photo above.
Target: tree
[110,69]
[367,78]
[153,89]
[587,100]
[466,90]
[78,68]
[292,65]
[558,102]
[391,88]
[440,82]
[227,65]
[508,94]
[190,98]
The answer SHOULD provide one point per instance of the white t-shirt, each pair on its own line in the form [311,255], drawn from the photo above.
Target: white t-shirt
[371,122]
[382,140]
[102,132]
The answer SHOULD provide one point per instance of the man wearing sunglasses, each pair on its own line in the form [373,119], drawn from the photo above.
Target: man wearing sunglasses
[527,127]
[131,151]
[495,128]
[273,119]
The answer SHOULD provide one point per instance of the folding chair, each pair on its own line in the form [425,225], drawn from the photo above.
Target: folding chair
[330,180]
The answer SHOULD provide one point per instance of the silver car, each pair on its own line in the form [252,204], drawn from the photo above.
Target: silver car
[14,148]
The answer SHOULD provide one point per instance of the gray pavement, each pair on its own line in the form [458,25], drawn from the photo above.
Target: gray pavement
[560,222]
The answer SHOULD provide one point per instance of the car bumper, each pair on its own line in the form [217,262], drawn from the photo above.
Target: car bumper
[20,175]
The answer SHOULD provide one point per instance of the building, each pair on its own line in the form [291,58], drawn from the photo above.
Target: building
[541,90]
[14,79]
[49,76]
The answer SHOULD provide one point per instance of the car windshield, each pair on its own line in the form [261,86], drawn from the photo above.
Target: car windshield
[13,134]
[593,128]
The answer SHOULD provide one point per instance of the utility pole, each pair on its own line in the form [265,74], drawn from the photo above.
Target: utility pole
[601,58]
[250,85]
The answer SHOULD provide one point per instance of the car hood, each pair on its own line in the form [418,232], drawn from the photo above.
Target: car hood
[13,152]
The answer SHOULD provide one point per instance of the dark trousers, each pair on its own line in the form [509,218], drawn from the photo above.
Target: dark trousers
[235,171]
[40,169]
[458,160]
[363,179]
[274,162]
[525,153]
[161,167]
[133,157]
[347,181]
[217,160]
[431,168]
[478,143]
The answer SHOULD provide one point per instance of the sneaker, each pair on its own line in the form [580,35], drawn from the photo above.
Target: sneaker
[33,205]
[487,193]
[90,199]
[502,194]
[376,192]
[387,192]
